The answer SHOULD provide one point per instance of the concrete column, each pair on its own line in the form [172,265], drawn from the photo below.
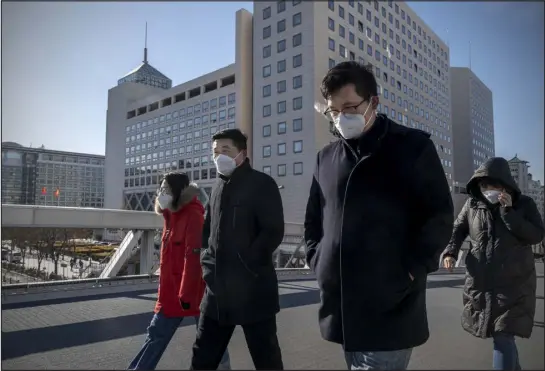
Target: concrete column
[146,252]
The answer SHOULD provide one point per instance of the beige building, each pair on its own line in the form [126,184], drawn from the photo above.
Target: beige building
[472,122]
[153,128]
[296,42]
[519,171]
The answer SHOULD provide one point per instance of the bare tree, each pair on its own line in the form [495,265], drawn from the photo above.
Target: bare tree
[38,244]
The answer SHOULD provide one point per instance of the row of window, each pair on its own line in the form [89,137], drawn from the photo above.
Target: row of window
[281,107]
[297,83]
[281,25]
[281,45]
[281,169]
[281,148]
[184,126]
[182,113]
[280,7]
[297,61]
[282,127]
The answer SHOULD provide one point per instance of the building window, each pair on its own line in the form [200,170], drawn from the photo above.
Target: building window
[280,6]
[281,148]
[342,31]
[267,91]
[297,39]
[297,19]
[297,124]
[281,170]
[331,63]
[281,107]
[282,127]
[266,32]
[297,168]
[267,151]
[267,110]
[297,81]
[331,24]
[331,44]
[297,103]
[281,26]
[267,13]
[281,66]
[281,86]
[267,70]
[267,130]
[298,146]
[267,170]
[266,51]
[297,60]
[296,2]
[342,51]
[331,5]
[341,12]
[281,46]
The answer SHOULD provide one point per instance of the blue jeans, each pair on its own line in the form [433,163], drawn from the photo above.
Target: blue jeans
[160,332]
[505,355]
[388,360]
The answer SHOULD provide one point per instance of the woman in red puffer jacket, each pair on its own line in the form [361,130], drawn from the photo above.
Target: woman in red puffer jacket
[181,286]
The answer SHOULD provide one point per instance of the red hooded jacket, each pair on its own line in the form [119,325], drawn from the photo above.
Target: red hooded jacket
[180,278]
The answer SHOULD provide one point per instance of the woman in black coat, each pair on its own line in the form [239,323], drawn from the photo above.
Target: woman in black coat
[500,289]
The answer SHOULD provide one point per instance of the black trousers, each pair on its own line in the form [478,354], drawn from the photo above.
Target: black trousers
[212,340]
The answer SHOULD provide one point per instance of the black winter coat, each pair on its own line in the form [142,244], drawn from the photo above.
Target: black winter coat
[379,209]
[243,227]
[500,288]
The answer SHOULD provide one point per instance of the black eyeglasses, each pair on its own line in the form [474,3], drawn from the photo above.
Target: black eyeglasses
[350,110]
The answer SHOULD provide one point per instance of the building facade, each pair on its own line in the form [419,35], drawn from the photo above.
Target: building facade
[472,122]
[39,176]
[519,171]
[535,190]
[153,128]
[296,42]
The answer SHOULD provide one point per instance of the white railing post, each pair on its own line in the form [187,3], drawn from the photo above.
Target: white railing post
[146,252]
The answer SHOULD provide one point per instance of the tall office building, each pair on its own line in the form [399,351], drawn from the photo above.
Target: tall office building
[296,42]
[153,128]
[39,176]
[472,123]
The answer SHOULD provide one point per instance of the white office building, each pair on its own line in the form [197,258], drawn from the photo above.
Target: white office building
[153,128]
[535,190]
[296,42]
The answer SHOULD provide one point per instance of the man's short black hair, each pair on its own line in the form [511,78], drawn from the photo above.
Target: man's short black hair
[350,73]
[238,137]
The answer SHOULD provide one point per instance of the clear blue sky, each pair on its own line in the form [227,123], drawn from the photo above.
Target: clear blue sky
[60,58]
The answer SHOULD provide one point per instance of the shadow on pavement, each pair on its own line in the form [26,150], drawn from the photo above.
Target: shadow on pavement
[76,334]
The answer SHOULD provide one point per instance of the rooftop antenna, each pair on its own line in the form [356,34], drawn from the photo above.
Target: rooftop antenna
[470,55]
[146,45]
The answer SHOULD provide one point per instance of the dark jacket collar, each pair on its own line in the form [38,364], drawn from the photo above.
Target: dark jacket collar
[239,172]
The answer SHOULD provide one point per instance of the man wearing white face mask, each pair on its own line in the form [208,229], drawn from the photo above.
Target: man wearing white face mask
[378,215]
[500,290]
[243,227]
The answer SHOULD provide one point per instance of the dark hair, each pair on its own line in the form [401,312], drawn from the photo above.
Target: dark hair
[177,182]
[350,73]
[240,140]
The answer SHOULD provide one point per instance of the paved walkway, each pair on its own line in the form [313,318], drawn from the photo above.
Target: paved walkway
[105,332]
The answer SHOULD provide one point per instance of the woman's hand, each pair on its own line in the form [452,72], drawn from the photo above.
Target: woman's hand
[449,262]
[505,199]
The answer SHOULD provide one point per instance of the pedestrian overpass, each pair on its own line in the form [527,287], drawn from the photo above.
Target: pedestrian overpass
[100,323]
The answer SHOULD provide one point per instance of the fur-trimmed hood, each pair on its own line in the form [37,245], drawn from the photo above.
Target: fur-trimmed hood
[186,197]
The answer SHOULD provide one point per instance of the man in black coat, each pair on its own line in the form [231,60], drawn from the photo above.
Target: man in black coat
[378,215]
[243,227]
[499,298]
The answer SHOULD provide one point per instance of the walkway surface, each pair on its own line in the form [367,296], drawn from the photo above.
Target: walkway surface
[105,332]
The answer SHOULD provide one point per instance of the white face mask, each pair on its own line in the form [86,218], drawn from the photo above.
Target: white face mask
[492,196]
[164,201]
[351,125]
[225,164]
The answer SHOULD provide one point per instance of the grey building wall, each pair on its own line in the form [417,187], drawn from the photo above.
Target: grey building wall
[472,123]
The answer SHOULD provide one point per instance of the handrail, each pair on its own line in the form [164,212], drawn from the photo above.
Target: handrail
[84,281]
